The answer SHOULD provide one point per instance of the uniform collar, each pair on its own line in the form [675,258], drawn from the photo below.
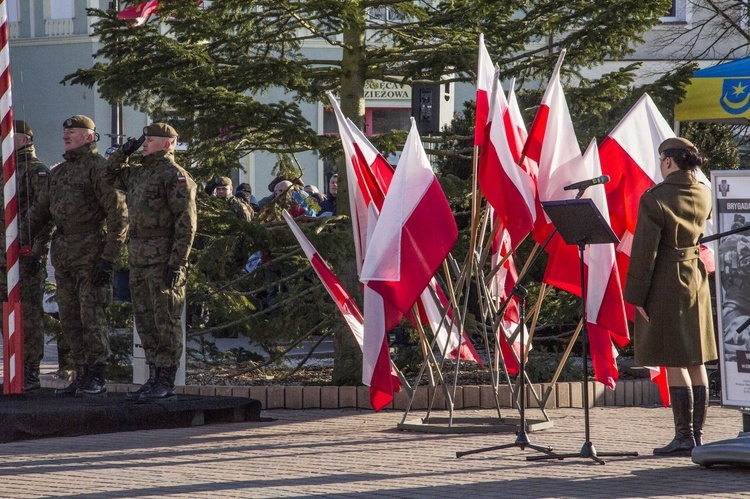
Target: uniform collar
[26,151]
[81,152]
[682,177]
[156,157]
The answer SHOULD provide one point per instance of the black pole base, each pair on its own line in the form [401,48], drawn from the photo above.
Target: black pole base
[522,442]
[587,452]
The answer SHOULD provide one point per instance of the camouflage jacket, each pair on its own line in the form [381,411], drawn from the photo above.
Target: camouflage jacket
[90,216]
[31,179]
[239,208]
[161,202]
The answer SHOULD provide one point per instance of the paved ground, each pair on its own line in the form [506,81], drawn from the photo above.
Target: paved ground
[334,453]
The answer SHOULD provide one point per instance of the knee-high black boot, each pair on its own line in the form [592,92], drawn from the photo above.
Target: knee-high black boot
[682,410]
[700,407]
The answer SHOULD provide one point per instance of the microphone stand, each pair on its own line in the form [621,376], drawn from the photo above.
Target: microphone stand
[522,438]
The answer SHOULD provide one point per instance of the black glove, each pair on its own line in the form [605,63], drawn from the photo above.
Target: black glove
[132,145]
[33,263]
[171,276]
[103,272]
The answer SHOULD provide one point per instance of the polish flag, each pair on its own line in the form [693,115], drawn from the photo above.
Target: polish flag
[414,233]
[605,307]
[140,13]
[485,78]
[412,236]
[346,305]
[553,145]
[508,187]
[630,156]
[372,176]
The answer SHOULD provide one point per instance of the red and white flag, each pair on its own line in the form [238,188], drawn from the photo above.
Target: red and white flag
[415,231]
[553,145]
[343,300]
[139,13]
[605,308]
[507,186]
[629,155]
[485,78]
[411,238]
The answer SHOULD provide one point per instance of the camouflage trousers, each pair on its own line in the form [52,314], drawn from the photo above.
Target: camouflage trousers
[82,314]
[158,314]
[32,294]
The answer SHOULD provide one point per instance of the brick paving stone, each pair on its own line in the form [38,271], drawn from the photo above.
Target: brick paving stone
[343,453]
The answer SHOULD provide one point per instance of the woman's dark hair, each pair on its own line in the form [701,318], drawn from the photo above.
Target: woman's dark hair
[685,159]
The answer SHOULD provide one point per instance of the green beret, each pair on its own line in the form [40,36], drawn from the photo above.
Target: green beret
[79,121]
[159,130]
[23,127]
[223,181]
[677,143]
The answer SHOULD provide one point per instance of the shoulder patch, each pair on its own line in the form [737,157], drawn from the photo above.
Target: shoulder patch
[181,178]
[41,174]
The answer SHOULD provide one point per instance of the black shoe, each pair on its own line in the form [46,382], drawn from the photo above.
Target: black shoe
[81,375]
[31,376]
[150,382]
[164,387]
[95,383]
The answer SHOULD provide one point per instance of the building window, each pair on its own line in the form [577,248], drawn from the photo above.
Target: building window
[14,18]
[377,120]
[58,17]
[679,12]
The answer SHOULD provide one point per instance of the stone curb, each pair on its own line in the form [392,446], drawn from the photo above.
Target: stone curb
[628,393]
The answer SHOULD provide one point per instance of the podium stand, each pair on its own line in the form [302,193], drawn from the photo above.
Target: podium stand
[580,222]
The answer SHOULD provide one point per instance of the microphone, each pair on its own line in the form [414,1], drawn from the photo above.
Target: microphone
[587,183]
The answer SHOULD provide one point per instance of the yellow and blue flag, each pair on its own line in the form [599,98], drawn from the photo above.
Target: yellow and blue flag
[718,93]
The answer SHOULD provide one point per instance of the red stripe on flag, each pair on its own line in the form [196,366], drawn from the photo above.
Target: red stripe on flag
[533,147]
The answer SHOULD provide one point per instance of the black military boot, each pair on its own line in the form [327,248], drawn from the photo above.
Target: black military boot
[700,408]
[82,373]
[145,386]
[164,387]
[95,383]
[682,410]
[31,376]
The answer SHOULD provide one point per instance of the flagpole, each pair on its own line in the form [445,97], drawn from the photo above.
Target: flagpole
[12,310]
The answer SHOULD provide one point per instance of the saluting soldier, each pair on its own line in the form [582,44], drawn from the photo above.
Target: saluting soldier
[239,208]
[31,180]
[90,219]
[161,200]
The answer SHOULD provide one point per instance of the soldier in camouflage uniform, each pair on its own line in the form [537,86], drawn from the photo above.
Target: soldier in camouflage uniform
[224,191]
[31,180]
[91,221]
[163,221]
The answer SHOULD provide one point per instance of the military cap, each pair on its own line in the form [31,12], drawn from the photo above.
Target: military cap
[23,127]
[677,143]
[159,130]
[79,121]
[223,181]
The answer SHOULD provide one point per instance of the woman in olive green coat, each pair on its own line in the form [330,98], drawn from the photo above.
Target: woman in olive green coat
[668,284]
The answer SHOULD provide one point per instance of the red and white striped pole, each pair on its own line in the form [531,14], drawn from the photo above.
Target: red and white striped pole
[12,321]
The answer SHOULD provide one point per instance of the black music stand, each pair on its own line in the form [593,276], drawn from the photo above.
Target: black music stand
[580,222]
[522,438]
